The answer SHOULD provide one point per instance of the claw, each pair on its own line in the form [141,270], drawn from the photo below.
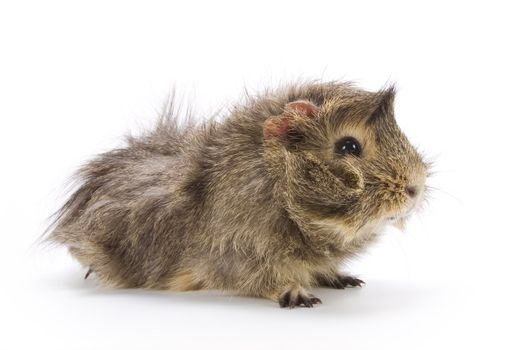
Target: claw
[341,282]
[315,300]
[352,281]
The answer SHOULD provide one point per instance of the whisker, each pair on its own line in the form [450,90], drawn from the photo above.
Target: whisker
[430,189]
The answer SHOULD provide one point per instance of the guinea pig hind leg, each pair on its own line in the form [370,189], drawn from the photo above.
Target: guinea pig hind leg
[297,296]
[339,281]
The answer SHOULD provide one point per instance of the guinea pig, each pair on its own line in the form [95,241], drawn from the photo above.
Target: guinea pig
[268,201]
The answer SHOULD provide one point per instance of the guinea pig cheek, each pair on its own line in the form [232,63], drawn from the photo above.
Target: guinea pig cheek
[349,176]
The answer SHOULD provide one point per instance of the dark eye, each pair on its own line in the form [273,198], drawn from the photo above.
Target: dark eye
[348,145]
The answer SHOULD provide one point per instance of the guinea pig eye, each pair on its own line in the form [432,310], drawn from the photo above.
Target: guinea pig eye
[348,145]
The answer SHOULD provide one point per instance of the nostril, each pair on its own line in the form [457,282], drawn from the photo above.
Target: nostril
[411,191]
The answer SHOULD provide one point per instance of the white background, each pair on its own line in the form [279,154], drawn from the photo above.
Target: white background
[75,77]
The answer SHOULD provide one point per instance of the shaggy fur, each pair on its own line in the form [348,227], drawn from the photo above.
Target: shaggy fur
[257,204]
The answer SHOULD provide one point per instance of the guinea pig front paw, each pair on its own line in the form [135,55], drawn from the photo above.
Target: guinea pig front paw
[340,282]
[297,297]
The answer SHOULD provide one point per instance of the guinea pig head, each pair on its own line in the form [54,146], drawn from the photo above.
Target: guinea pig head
[343,157]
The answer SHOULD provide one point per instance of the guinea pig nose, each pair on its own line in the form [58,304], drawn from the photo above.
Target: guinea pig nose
[411,191]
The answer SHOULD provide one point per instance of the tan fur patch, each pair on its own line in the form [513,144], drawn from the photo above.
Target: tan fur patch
[185,280]
[348,235]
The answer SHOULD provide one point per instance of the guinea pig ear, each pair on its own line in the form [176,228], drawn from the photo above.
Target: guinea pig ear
[304,108]
[281,125]
[384,105]
[276,126]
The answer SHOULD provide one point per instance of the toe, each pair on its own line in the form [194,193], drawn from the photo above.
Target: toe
[304,300]
[315,300]
[284,300]
[353,282]
[292,299]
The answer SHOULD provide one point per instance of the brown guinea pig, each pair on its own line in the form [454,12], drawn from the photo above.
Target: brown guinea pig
[268,202]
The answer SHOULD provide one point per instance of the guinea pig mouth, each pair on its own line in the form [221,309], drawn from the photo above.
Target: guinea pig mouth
[394,219]
[404,215]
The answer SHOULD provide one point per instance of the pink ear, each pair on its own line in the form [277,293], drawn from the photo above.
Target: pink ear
[304,107]
[276,126]
[279,125]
